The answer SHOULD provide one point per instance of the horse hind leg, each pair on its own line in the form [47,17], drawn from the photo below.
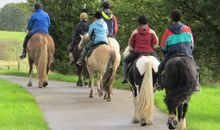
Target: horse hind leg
[182,125]
[135,115]
[30,72]
[79,81]
[91,94]
[98,83]
[172,122]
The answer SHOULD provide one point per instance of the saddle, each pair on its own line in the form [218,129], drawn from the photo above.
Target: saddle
[91,49]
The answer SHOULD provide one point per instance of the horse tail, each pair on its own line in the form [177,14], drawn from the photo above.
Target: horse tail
[43,60]
[145,100]
[109,73]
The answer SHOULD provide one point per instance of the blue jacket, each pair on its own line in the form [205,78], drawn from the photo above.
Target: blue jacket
[98,31]
[39,22]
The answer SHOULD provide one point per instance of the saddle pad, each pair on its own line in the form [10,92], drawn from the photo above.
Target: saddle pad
[91,49]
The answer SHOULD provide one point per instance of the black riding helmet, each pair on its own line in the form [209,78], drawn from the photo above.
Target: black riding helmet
[106,5]
[38,5]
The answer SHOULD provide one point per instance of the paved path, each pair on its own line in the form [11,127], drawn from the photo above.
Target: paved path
[67,107]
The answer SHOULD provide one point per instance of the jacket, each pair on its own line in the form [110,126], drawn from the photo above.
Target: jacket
[39,22]
[177,39]
[111,22]
[98,31]
[143,40]
[81,28]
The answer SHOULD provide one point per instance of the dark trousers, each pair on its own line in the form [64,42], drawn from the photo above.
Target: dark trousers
[26,39]
[74,43]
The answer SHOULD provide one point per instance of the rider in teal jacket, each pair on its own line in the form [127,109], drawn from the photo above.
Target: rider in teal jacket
[98,32]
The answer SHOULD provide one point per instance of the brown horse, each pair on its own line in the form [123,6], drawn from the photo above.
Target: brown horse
[40,50]
[104,62]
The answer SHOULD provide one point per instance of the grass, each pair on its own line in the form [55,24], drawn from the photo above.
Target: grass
[203,111]
[12,36]
[18,109]
[11,45]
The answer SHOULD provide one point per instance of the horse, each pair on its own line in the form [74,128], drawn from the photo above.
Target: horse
[40,50]
[142,76]
[81,70]
[103,61]
[180,79]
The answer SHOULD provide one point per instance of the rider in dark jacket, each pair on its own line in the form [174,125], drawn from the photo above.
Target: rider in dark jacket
[81,28]
[38,22]
[110,19]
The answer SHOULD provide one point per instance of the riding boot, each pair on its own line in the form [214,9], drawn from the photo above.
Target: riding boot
[82,56]
[71,58]
[27,38]
[125,64]
[159,84]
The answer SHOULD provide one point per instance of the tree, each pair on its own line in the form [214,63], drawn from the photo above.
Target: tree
[13,17]
[203,17]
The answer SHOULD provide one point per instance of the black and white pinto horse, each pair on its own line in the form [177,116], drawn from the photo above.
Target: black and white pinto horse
[180,80]
[141,77]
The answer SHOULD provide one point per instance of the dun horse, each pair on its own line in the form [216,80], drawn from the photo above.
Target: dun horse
[141,77]
[103,61]
[40,52]
[180,80]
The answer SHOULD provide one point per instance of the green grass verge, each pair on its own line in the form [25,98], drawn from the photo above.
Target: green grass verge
[12,36]
[18,109]
[203,111]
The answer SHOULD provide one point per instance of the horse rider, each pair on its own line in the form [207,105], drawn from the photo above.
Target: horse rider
[143,41]
[98,32]
[38,22]
[81,28]
[177,40]
[110,19]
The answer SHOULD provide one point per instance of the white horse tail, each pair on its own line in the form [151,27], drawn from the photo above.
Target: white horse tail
[109,74]
[43,59]
[145,100]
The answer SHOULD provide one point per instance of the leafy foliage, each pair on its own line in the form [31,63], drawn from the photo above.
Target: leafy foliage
[14,17]
[203,17]
[200,15]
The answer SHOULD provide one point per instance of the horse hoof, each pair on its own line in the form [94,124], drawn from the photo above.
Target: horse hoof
[40,87]
[109,100]
[172,124]
[100,94]
[29,84]
[45,84]
[79,84]
[90,96]
[135,121]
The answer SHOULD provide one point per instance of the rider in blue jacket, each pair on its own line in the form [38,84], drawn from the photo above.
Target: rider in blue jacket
[38,22]
[98,32]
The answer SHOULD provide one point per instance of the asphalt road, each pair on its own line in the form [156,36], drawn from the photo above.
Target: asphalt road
[67,107]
